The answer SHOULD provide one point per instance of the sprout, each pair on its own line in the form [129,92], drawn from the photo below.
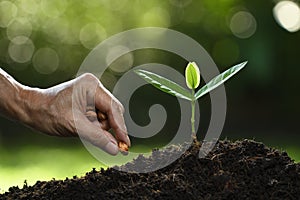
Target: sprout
[192,77]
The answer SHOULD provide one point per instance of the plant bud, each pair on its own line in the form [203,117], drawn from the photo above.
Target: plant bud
[192,75]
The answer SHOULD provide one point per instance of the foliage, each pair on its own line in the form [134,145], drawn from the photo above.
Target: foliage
[192,75]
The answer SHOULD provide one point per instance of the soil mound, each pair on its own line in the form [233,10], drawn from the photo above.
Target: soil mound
[232,170]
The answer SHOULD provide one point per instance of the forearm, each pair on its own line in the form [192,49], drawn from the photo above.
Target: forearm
[13,98]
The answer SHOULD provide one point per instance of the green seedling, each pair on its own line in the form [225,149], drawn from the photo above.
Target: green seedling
[192,78]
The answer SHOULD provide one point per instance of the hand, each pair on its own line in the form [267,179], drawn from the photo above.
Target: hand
[52,111]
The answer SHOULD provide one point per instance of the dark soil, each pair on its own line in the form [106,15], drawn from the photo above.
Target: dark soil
[232,170]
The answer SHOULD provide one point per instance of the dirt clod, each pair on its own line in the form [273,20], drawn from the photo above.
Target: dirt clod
[232,170]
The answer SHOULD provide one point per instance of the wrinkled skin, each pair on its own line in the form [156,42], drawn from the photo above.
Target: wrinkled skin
[55,110]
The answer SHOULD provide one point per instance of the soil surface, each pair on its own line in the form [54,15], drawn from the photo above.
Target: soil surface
[232,170]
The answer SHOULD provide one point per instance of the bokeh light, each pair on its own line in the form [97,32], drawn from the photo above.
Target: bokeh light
[19,27]
[155,17]
[243,24]
[45,61]
[115,5]
[91,35]
[29,6]
[287,15]
[60,31]
[123,63]
[53,8]
[21,49]
[8,11]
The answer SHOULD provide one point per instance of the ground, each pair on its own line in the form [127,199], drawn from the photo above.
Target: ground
[232,170]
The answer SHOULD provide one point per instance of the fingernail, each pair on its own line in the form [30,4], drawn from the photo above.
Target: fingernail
[111,148]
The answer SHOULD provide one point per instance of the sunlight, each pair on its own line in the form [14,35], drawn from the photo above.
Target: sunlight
[287,15]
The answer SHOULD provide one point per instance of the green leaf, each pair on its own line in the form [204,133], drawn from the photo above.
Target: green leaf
[218,80]
[164,84]
[192,75]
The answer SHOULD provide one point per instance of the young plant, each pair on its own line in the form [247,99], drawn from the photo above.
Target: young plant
[192,78]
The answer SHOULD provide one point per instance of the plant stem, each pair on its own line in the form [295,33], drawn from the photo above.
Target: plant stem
[193,116]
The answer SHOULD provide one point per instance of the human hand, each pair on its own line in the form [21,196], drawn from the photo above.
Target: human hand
[55,110]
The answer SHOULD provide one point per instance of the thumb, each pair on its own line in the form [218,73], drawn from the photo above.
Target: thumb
[93,133]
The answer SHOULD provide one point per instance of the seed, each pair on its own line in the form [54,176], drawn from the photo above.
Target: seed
[101,116]
[123,147]
[92,114]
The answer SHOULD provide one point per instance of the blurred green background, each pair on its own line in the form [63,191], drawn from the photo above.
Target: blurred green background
[44,42]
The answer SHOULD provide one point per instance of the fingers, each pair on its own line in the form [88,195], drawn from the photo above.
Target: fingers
[93,133]
[103,124]
[117,122]
[97,118]
[108,104]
